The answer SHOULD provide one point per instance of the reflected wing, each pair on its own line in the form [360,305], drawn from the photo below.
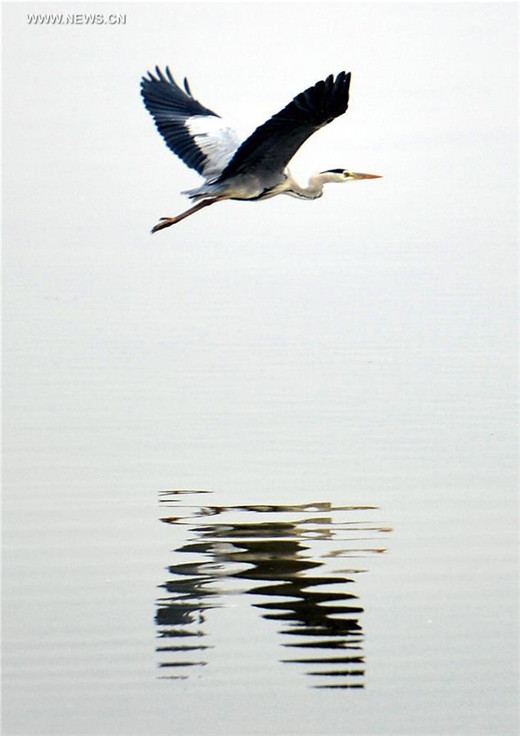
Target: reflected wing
[273,144]
[193,132]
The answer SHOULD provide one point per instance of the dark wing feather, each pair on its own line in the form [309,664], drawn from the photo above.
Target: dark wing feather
[272,145]
[171,107]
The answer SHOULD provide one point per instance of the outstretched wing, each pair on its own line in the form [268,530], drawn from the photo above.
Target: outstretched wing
[193,132]
[272,145]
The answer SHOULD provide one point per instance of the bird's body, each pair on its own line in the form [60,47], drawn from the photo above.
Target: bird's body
[257,168]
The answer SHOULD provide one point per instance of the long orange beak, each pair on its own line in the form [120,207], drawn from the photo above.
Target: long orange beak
[366,176]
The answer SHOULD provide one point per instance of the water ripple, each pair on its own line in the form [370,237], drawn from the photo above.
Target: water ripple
[293,558]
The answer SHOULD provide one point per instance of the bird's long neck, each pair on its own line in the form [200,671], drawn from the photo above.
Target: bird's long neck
[314,188]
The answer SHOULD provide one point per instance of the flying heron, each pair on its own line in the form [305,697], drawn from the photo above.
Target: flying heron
[256,168]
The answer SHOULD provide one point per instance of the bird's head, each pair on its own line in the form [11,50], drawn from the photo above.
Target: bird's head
[346,175]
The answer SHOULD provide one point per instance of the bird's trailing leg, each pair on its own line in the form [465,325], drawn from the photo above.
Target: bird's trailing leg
[167,221]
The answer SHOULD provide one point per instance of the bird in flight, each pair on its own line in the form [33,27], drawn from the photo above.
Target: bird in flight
[256,168]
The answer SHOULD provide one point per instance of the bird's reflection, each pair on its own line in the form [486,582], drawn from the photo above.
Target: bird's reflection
[292,559]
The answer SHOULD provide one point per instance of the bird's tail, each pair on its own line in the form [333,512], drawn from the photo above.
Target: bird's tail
[197,194]
[210,188]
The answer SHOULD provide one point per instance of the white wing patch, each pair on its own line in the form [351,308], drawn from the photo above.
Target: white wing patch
[217,141]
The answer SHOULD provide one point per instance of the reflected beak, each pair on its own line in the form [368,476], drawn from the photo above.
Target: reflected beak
[365,176]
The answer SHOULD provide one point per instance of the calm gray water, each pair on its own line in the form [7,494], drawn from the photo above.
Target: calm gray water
[260,469]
